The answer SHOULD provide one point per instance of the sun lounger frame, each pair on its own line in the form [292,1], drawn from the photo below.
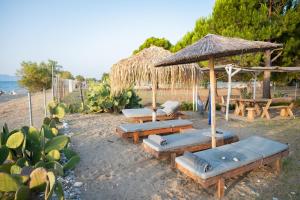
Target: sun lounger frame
[177,115]
[191,148]
[161,131]
[219,180]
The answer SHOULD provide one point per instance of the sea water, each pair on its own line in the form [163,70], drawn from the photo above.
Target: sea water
[11,86]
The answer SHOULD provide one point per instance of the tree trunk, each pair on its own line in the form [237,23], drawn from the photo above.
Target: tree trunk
[267,76]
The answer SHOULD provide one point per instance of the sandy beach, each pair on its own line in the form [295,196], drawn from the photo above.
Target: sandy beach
[114,168]
[14,109]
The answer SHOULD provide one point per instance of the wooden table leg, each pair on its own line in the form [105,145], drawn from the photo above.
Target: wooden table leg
[283,112]
[136,137]
[220,188]
[237,109]
[278,166]
[290,112]
[172,157]
[242,109]
[257,108]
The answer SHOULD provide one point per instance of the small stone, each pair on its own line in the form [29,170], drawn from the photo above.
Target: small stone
[274,198]
[78,184]
[293,193]
[258,181]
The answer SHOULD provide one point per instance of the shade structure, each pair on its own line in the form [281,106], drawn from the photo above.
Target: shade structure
[139,69]
[210,47]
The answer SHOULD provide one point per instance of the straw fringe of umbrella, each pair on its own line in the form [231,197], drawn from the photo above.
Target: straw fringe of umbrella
[138,70]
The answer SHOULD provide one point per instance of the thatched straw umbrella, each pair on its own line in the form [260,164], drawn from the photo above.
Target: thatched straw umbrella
[210,47]
[139,69]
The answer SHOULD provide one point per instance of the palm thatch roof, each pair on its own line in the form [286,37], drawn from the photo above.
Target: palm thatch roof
[216,46]
[139,69]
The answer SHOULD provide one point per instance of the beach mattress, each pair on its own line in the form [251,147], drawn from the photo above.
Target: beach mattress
[186,138]
[142,112]
[131,127]
[247,151]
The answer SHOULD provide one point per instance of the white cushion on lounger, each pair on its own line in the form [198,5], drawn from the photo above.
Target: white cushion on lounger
[260,145]
[248,150]
[171,107]
[219,166]
[154,125]
[141,112]
[184,139]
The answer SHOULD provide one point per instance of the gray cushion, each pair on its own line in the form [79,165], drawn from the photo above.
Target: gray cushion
[260,145]
[186,138]
[141,112]
[249,150]
[219,166]
[154,125]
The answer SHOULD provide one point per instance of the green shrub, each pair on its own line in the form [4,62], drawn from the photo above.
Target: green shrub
[100,98]
[186,106]
[30,161]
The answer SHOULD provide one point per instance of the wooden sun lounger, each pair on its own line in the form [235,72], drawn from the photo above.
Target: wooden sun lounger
[198,143]
[136,131]
[219,179]
[177,115]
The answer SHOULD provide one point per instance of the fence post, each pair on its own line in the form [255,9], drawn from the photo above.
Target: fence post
[296,90]
[45,102]
[81,96]
[30,109]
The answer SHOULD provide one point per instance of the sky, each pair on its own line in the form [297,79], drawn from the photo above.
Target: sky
[87,37]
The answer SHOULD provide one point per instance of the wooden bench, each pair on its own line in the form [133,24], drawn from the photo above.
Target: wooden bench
[224,100]
[285,110]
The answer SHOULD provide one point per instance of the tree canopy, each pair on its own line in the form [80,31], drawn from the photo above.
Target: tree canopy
[36,76]
[66,75]
[159,42]
[79,78]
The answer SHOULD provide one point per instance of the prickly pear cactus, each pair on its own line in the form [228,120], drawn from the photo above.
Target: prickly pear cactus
[23,193]
[8,183]
[15,140]
[38,178]
[53,155]
[58,143]
[3,154]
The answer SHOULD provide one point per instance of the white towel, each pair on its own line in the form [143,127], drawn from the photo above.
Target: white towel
[158,139]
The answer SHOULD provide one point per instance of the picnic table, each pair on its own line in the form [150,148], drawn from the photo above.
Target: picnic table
[242,104]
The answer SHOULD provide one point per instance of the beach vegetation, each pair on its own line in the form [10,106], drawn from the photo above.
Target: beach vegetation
[100,98]
[66,75]
[32,159]
[79,78]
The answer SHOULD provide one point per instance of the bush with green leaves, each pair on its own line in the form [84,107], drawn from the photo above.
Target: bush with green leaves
[100,98]
[57,110]
[31,160]
[186,106]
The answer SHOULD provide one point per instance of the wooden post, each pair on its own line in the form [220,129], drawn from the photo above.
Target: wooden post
[212,78]
[196,99]
[154,85]
[172,157]
[220,188]
[254,85]
[45,102]
[30,109]
[81,96]
[52,83]
[296,90]
[193,89]
[230,75]
[229,71]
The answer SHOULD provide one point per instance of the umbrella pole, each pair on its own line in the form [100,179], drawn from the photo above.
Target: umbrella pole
[154,96]
[212,78]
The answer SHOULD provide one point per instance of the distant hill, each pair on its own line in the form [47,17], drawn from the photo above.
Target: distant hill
[5,77]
